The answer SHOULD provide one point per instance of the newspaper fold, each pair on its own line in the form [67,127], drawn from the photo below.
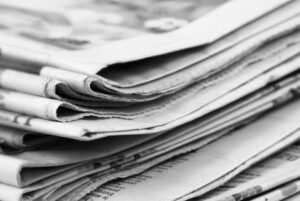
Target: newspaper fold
[175,113]
[189,74]
[64,111]
[88,62]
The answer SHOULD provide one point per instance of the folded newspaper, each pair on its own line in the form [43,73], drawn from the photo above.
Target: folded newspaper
[149,100]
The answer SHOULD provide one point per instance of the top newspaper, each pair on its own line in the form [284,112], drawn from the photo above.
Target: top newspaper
[89,44]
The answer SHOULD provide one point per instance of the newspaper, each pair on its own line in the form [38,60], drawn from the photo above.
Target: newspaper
[117,172]
[183,135]
[175,81]
[175,113]
[80,192]
[227,13]
[35,194]
[166,45]
[88,186]
[159,67]
[62,176]
[49,184]
[64,111]
[114,21]
[165,181]
[28,175]
[228,119]
[155,65]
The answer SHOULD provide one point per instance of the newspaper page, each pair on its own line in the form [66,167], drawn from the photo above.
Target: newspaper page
[227,17]
[175,81]
[104,177]
[189,133]
[88,186]
[130,168]
[211,162]
[81,191]
[235,115]
[195,131]
[155,66]
[175,114]
[143,158]
[163,66]
[178,137]
[64,111]
[102,21]
[140,154]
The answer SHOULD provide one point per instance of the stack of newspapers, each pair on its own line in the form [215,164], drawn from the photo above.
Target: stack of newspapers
[149,100]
